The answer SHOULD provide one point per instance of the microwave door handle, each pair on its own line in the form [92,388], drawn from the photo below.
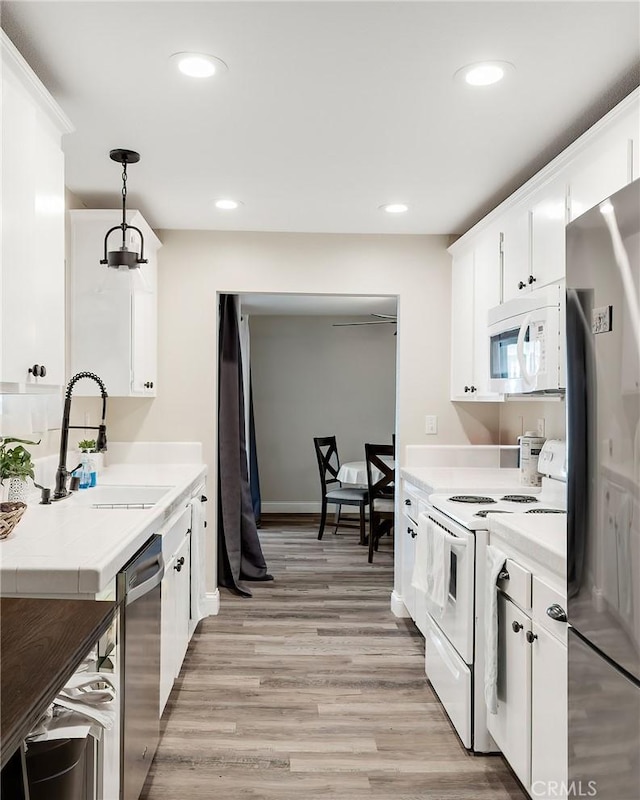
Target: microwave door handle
[526,375]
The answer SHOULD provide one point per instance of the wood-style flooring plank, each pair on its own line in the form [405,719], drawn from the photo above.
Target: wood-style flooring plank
[313,690]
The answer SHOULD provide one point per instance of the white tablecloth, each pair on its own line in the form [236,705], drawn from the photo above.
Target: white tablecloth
[355,472]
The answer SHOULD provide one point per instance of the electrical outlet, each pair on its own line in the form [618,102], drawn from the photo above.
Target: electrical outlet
[431,424]
[602,319]
[540,427]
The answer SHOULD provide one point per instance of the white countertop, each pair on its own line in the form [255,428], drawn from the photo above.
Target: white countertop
[70,548]
[434,480]
[541,537]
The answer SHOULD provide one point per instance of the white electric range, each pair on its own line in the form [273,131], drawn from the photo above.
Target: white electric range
[453,530]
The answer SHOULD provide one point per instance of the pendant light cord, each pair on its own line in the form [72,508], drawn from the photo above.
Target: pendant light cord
[124,202]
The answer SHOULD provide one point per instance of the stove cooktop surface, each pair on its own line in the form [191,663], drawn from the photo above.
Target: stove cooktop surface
[472,499]
[473,511]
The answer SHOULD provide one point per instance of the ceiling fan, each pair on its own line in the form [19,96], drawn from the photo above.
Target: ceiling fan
[383,319]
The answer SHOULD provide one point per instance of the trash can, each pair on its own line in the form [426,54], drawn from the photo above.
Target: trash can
[56,769]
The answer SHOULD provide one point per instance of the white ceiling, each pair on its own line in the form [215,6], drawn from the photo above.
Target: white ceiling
[328,110]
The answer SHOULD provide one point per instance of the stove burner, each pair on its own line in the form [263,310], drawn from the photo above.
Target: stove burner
[520,498]
[471,498]
[545,511]
[484,512]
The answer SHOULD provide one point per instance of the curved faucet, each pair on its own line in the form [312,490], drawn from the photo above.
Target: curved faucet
[62,472]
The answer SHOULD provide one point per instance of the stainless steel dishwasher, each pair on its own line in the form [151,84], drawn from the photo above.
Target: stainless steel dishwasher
[138,588]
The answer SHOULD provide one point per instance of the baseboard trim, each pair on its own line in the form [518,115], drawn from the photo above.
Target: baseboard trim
[211,605]
[398,608]
[288,507]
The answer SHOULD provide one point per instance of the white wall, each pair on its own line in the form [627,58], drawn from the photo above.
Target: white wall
[195,265]
[313,379]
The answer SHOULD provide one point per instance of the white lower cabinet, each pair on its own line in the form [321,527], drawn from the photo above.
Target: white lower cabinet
[548,713]
[408,532]
[175,603]
[531,724]
[511,726]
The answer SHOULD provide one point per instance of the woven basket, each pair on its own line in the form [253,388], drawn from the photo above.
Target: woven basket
[10,516]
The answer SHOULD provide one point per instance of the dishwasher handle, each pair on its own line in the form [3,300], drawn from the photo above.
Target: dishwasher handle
[143,573]
[150,583]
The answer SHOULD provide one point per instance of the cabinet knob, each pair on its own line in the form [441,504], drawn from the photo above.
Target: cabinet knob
[407,502]
[467,389]
[473,388]
[38,371]
[531,280]
[178,565]
[411,533]
[531,637]
[148,385]
[203,498]
[521,285]
[557,612]
[516,626]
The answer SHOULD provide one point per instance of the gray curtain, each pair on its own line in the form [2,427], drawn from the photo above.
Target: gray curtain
[240,555]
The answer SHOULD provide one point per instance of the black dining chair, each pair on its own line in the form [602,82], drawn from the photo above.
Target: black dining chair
[332,491]
[381,491]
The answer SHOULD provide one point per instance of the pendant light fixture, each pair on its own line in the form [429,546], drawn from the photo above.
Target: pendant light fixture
[123,257]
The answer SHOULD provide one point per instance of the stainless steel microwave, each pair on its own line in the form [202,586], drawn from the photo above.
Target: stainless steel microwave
[526,340]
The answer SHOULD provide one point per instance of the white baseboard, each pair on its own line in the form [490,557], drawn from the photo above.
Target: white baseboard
[398,608]
[211,605]
[305,507]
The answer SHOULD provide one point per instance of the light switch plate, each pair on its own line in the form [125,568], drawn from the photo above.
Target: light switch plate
[430,424]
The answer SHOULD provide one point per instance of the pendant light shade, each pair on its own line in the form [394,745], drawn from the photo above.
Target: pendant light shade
[123,257]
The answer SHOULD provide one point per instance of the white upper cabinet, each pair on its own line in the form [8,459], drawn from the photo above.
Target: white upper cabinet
[548,218]
[515,228]
[475,289]
[520,246]
[607,163]
[462,280]
[113,312]
[32,315]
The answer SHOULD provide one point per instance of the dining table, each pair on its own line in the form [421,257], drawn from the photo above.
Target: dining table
[354,473]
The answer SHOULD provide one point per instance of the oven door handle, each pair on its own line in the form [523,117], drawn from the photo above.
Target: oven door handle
[455,541]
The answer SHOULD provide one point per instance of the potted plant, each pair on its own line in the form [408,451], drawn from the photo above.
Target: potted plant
[16,466]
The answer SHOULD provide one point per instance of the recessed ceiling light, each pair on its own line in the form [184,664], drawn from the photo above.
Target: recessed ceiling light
[227,204]
[198,65]
[395,208]
[484,73]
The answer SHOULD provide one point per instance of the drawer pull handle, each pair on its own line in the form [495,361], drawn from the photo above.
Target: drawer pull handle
[557,613]
[516,626]
[412,533]
[531,637]
[503,575]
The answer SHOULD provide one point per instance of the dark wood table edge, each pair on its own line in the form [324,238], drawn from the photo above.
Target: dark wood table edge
[12,739]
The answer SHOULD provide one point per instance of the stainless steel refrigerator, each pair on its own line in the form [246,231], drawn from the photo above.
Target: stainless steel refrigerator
[603,503]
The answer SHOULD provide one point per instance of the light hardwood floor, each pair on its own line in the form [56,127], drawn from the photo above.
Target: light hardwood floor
[313,689]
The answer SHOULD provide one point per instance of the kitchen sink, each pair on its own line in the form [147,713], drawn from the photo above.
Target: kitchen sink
[122,496]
